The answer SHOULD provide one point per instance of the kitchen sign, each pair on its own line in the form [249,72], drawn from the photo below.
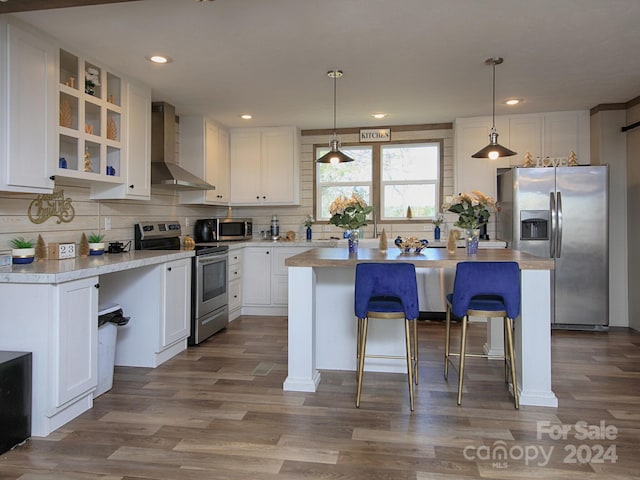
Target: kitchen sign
[375,135]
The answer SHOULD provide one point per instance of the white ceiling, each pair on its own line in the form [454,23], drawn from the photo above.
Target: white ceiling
[421,61]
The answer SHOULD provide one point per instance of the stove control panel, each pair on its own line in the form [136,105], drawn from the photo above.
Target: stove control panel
[146,230]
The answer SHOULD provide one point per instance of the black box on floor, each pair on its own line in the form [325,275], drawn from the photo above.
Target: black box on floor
[15,399]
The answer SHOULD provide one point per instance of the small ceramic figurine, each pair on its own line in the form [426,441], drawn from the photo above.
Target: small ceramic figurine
[87,162]
[528,160]
[573,159]
[452,241]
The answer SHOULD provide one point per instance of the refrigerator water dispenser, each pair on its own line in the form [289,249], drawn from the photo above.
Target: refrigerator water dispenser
[534,224]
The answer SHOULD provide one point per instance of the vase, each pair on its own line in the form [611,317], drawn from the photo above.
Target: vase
[436,233]
[22,255]
[96,248]
[473,237]
[353,241]
[309,234]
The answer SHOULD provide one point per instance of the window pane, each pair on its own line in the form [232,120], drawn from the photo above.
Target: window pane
[357,171]
[421,198]
[410,162]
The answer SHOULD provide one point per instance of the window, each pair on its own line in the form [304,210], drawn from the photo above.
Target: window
[343,178]
[409,178]
[391,177]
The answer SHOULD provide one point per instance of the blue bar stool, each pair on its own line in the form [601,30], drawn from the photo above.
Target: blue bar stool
[387,291]
[484,289]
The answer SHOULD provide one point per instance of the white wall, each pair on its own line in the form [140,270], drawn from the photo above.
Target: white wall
[608,147]
[633,216]
[90,216]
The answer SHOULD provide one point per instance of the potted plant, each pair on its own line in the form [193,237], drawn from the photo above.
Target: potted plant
[23,250]
[96,244]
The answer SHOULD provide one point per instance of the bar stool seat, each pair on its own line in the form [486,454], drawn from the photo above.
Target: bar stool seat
[387,291]
[484,289]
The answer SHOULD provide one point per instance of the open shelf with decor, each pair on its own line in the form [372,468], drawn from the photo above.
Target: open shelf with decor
[90,103]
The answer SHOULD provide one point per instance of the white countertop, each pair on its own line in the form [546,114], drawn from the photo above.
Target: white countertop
[59,271]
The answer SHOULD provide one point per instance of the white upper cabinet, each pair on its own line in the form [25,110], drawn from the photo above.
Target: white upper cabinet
[104,129]
[265,166]
[553,135]
[542,135]
[136,151]
[204,151]
[28,110]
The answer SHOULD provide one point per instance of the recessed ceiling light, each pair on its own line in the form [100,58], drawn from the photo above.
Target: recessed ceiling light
[379,115]
[159,59]
[513,101]
[246,116]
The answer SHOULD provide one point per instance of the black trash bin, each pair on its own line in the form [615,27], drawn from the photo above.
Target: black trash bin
[109,318]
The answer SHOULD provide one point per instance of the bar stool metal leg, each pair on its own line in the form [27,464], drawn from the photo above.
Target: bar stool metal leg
[447,337]
[415,350]
[410,372]
[360,368]
[512,362]
[463,348]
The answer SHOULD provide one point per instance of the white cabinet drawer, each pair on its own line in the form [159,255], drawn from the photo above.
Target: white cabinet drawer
[235,257]
[235,272]
[235,295]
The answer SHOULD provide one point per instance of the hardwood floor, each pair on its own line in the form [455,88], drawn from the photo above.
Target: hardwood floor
[218,411]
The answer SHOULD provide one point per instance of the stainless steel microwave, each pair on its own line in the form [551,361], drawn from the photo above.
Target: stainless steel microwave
[223,229]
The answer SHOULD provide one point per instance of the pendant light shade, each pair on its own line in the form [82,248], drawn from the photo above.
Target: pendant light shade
[494,149]
[334,155]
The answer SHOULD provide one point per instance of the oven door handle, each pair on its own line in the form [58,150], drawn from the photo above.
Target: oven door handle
[208,259]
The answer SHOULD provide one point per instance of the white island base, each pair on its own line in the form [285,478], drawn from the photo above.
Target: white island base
[322,332]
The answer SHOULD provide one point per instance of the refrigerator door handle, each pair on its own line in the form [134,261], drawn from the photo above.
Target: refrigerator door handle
[559,230]
[552,239]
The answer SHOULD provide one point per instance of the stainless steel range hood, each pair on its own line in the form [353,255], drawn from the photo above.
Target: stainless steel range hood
[165,172]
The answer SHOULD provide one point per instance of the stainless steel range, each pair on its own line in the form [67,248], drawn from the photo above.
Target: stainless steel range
[209,276]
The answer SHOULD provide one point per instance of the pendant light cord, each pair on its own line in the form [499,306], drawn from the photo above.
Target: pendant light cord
[335,78]
[494,95]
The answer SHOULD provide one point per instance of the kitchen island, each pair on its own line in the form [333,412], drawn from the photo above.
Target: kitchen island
[322,326]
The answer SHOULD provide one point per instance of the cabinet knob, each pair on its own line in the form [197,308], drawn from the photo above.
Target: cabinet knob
[235,296]
[264,197]
[168,269]
[267,252]
[52,177]
[97,285]
[131,186]
[257,197]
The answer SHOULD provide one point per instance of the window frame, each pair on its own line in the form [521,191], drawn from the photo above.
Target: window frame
[376,180]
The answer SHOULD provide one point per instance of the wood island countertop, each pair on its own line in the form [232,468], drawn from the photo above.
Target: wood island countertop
[428,258]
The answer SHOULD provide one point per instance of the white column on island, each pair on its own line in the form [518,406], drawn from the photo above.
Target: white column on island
[302,375]
[533,340]
[494,346]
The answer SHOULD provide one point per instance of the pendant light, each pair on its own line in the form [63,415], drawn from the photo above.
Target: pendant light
[494,149]
[334,155]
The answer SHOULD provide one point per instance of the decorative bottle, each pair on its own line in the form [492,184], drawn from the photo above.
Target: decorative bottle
[436,232]
[309,234]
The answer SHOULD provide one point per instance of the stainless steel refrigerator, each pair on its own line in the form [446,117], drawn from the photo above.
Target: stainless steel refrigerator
[562,213]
